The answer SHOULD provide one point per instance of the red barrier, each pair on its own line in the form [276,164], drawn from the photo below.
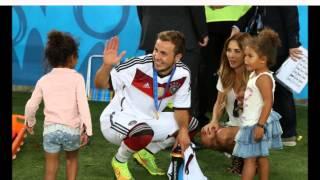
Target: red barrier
[18,133]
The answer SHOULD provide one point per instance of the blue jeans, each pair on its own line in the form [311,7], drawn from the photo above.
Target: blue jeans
[58,136]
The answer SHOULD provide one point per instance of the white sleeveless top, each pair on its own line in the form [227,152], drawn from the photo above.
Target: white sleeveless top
[231,97]
[253,101]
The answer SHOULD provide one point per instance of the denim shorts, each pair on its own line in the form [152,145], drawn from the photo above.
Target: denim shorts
[58,136]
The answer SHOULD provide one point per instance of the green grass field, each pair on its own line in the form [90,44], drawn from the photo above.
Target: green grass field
[95,159]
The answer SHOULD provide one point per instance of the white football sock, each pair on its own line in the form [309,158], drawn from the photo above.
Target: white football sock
[124,153]
[155,147]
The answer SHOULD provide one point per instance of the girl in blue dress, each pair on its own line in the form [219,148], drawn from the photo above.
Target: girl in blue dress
[260,129]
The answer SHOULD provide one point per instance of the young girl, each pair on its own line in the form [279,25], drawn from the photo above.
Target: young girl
[66,108]
[260,128]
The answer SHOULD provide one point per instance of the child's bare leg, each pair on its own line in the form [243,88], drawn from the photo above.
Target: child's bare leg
[249,169]
[263,168]
[52,165]
[72,164]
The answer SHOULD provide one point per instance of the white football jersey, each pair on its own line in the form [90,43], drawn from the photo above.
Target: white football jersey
[132,82]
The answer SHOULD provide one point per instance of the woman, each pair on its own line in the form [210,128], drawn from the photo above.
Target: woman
[233,78]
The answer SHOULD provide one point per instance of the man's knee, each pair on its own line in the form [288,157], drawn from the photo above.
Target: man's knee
[139,137]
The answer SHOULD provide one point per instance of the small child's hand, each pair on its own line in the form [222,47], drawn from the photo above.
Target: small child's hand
[258,133]
[30,130]
[84,139]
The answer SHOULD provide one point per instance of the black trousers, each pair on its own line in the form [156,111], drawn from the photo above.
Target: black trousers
[218,34]
[192,59]
[285,106]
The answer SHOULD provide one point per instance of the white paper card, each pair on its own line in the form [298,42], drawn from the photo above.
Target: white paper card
[294,74]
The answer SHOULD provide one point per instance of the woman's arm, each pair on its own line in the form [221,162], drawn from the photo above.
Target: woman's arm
[217,111]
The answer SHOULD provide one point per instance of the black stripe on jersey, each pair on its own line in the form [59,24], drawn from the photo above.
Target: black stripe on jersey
[110,84]
[193,124]
[118,127]
[180,64]
[132,62]
[112,127]
[121,103]
[137,61]
[139,128]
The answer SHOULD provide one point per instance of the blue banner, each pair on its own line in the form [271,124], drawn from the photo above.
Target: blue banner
[91,26]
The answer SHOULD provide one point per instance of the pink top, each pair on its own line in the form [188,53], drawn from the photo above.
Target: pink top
[65,100]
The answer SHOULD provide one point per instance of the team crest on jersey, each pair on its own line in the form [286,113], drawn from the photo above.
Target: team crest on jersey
[133,122]
[174,86]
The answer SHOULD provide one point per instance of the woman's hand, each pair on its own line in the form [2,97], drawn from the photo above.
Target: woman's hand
[210,128]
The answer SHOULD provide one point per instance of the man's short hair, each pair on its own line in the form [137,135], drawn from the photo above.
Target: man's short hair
[176,37]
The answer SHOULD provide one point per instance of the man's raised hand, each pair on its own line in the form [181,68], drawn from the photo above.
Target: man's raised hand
[110,54]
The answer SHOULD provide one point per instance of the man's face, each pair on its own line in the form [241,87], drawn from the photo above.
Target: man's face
[164,57]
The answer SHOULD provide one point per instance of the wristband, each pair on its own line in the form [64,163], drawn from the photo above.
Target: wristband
[260,125]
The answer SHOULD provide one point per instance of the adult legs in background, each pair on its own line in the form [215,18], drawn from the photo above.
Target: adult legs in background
[285,106]
[218,34]
[192,59]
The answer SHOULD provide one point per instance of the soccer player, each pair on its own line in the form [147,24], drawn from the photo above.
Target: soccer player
[143,87]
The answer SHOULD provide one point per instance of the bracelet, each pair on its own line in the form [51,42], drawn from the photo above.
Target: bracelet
[260,125]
